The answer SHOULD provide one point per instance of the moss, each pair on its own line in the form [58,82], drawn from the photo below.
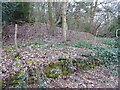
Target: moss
[18,46]
[86,64]
[49,73]
[17,64]
[62,67]
[13,48]
[53,70]
[53,76]
[93,65]
[12,73]
[7,51]
[66,72]
[51,63]
[62,58]
[31,74]
[87,67]
[30,62]
[16,56]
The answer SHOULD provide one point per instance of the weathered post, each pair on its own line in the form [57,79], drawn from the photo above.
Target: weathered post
[16,29]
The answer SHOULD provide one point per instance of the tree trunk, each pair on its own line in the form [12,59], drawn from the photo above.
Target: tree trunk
[92,15]
[50,19]
[37,10]
[64,23]
[30,11]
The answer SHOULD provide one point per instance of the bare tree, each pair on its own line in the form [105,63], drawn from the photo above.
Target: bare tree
[50,19]
[92,15]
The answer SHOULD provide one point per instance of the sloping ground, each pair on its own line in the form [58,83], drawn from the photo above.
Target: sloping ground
[98,77]
[31,31]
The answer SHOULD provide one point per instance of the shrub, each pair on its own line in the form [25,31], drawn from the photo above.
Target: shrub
[31,20]
[113,27]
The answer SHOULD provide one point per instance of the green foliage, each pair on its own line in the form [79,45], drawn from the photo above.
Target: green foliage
[18,46]
[62,58]
[22,11]
[8,9]
[108,54]
[17,58]
[37,42]
[113,27]
[109,41]
[13,48]
[31,20]
[15,11]
[66,66]
[21,83]
[80,44]
[7,51]
[40,36]
[58,45]
[85,27]
[13,80]
[17,64]
[42,83]
[16,79]
[30,62]
[53,70]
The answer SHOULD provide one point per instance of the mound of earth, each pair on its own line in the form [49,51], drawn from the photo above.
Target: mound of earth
[31,31]
[97,77]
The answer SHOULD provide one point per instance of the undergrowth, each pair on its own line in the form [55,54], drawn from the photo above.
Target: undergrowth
[108,54]
[79,44]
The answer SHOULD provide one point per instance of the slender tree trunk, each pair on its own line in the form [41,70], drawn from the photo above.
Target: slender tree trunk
[92,15]
[58,13]
[64,23]
[36,13]
[30,11]
[16,29]
[50,19]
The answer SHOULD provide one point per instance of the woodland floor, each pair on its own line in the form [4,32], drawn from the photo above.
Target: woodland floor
[98,77]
